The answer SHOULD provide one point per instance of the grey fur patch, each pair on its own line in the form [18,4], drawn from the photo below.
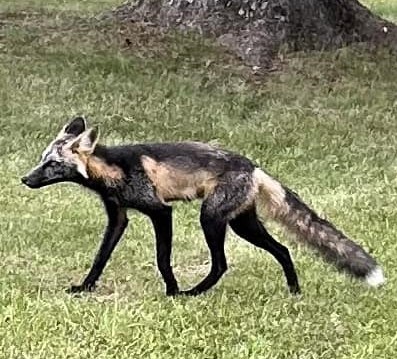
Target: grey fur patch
[234,194]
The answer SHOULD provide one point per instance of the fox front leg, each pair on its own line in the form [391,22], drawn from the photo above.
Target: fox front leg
[162,224]
[117,222]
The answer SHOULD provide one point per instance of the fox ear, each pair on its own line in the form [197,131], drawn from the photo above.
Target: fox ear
[86,141]
[75,127]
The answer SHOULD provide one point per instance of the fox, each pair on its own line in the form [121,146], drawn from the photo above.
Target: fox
[234,193]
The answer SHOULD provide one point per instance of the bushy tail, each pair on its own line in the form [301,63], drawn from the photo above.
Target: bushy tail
[285,206]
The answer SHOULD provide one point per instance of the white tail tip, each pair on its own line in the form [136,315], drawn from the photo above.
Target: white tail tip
[375,278]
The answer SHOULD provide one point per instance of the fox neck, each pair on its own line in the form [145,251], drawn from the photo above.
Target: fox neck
[101,174]
[101,151]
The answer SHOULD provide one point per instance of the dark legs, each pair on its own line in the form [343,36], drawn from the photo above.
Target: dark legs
[162,223]
[214,229]
[117,222]
[214,219]
[248,226]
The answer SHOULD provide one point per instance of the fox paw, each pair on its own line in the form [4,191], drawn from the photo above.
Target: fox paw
[75,289]
[190,293]
[172,292]
[295,290]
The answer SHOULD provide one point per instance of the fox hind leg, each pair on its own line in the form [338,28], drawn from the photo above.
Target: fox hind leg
[248,226]
[162,223]
[214,228]
[216,211]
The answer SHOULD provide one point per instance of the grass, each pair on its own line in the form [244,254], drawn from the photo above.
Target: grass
[59,6]
[384,8]
[325,126]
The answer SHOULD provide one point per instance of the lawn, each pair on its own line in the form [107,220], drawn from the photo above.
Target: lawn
[325,125]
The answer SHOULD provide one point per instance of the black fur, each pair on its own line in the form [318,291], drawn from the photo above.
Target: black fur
[76,127]
[248,226]
[50,172]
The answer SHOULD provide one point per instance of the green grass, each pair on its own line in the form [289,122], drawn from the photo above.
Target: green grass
[325,125]
[384,8]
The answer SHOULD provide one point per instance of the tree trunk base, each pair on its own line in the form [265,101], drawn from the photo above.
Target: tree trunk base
[255,30]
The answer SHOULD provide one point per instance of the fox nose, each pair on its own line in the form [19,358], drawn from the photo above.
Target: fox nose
[24,179]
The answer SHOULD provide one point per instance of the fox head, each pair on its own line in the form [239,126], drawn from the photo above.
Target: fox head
[65,158]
